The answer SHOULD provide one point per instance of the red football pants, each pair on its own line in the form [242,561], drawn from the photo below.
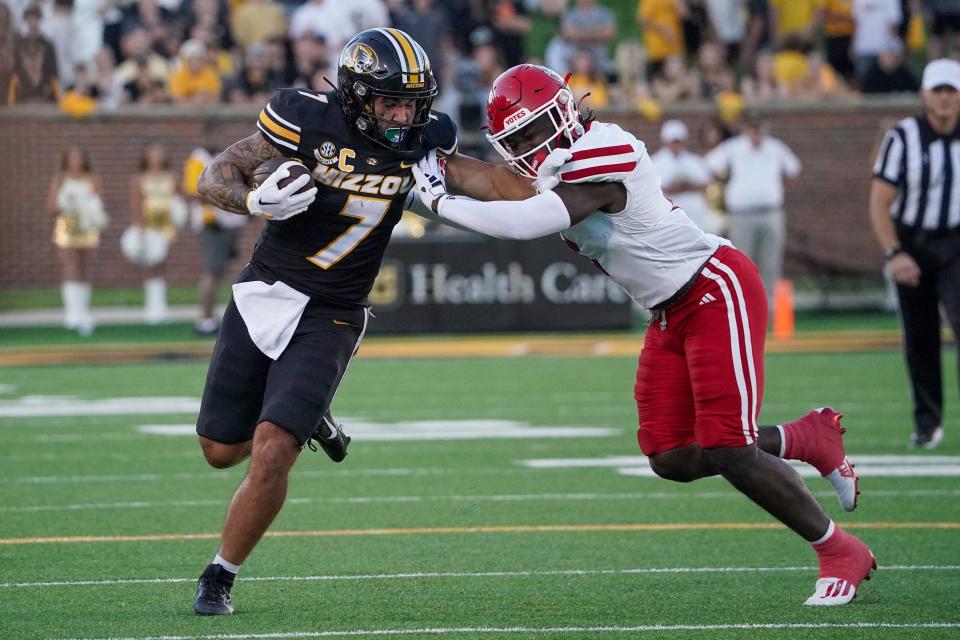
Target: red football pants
[700,374]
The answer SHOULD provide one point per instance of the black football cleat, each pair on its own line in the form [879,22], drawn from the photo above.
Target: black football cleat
[331,438]
[213,592]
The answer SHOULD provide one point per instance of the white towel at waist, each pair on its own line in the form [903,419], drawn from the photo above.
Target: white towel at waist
[271,313]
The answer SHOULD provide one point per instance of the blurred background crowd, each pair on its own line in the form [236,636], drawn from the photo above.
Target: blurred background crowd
[98,54]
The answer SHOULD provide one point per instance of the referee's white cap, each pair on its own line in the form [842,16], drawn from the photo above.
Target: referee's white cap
[941,72]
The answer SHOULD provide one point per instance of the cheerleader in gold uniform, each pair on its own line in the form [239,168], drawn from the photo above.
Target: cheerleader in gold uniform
[74,199]
[156,209]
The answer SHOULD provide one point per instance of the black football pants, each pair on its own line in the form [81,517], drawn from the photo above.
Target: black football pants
[939,261]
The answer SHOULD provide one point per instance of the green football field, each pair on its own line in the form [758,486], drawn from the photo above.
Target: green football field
[482,498]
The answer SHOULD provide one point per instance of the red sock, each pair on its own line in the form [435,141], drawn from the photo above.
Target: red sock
[792,445]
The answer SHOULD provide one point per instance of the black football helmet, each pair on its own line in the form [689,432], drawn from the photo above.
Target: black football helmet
[388,63]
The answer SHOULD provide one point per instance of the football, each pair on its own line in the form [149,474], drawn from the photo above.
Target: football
[267,168]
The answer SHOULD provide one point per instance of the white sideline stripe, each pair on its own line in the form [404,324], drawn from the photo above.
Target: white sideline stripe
[639,495]
[463,574]
[437,631]
[627,461]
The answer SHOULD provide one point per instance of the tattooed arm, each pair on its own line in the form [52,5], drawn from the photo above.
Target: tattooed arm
[224,182]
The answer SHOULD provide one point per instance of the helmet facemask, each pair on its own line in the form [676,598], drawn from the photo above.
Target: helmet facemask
[403,137]
[530,136]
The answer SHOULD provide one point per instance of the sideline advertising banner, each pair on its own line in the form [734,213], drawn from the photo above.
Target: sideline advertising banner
[462,285]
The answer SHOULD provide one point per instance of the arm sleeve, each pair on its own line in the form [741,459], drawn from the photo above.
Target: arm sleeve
[889,164]
[534,217]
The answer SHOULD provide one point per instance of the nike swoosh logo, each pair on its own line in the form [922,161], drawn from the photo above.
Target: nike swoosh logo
[406,165]
[334,431]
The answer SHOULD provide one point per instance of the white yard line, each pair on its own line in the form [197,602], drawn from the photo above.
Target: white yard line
[440,631]
[463,574]
[529,497]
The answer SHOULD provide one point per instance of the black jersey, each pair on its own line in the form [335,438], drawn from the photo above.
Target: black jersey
[332,251]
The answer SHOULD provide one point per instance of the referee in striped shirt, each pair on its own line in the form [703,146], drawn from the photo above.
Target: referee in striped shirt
[915,213]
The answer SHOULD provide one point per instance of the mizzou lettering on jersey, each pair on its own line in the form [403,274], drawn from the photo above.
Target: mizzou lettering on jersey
[369,183]
[332,252]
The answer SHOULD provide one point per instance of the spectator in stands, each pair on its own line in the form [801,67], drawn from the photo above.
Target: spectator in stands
[109,85]
[152,18]
[758,31]
[588,80]
[821,82]
[310,52]
[727,21]
[662,30]
[255,83]
[195,80]
[139,61]
[802,18]
[838,28]
[790,63]
[426,22]
[256,21]
[472,79]
[143,87]
[944,21]
[219,232]
[74,199]
[675,82]
[761,85]
[8,49]
[208,21]
[876,22]
[510,24]
[684,176]
[584,25]
[323,18]
[695,26]
[756,165]
[35,66]
[153,202]
[280,54]
[57,27]
[889,73]
[716,76]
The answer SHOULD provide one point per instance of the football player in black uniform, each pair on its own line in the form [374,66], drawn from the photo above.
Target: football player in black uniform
[299,308]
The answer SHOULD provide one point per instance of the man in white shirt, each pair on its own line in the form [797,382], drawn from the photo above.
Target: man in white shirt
[756,165]
[684,177]
[876,22]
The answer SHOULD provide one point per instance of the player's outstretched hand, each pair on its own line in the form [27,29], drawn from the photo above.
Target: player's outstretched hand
[548,173]
[270,200]
[430,179]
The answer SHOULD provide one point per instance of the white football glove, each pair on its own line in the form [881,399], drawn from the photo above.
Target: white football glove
[548,173]
[431,181]
[270,201]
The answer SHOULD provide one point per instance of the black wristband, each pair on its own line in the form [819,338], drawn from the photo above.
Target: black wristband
[892,251]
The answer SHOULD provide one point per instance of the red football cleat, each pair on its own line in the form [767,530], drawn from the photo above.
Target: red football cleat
[845,562]
[817,439]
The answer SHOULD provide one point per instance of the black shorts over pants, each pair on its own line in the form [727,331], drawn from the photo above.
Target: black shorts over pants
[244,387]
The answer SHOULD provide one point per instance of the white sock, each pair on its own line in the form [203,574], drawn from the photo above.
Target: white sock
[85,322]
[229,566]
[830,531]
[155,299]
[70,291]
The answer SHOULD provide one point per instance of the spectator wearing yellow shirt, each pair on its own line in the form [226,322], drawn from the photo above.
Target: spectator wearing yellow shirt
[195,80]
[585,79]
[256,21]
[790,63]
[838,28]
[802,17]
[662,30]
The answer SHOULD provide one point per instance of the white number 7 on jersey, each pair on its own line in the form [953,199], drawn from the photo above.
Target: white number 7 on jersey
[369,213]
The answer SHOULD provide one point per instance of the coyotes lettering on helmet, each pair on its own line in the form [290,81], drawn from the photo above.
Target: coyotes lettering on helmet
[531,112]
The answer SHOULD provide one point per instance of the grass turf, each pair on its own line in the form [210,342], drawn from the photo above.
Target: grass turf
[98,475]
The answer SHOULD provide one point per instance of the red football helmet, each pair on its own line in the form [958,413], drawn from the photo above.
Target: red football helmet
[531,112]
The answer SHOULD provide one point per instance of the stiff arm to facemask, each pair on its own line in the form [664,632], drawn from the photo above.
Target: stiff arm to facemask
[534,217]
